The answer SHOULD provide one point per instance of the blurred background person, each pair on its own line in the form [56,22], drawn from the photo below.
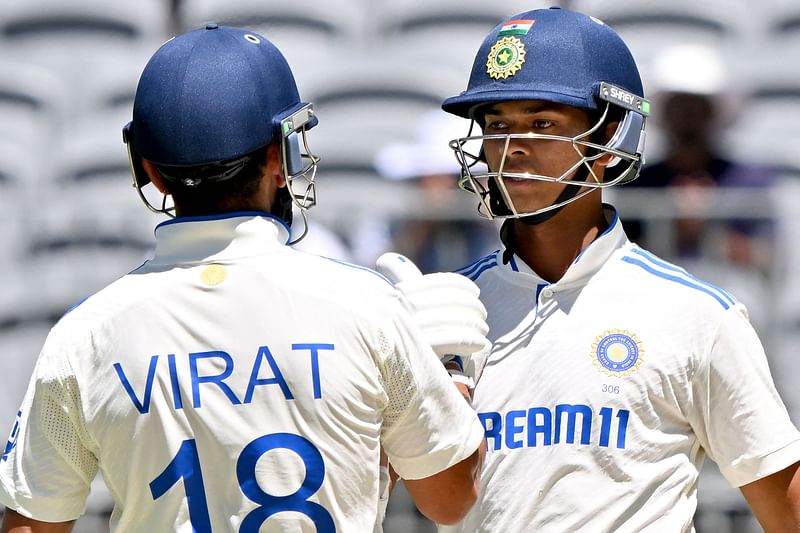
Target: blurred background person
[717,237]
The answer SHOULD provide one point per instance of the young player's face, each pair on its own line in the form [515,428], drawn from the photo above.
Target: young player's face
[545,157]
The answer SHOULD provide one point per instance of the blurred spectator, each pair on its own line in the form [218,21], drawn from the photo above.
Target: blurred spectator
[693,104]
[435,242]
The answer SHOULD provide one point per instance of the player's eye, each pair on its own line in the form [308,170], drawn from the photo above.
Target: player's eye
[541,124]
[496,125]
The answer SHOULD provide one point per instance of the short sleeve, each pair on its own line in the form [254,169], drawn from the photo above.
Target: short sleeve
[737,414]
[47,471]
[428,426]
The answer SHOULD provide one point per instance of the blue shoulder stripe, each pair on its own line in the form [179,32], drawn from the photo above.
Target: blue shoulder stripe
[678,279]
[358,267]
[484,268]
[472,267]
[663,264]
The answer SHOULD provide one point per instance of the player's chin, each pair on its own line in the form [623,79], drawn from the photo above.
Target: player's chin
[529,198]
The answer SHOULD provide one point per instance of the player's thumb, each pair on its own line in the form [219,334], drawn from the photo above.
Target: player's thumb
[397,267]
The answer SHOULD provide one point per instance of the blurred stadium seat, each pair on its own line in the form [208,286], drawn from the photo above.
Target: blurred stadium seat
[306,32]
[782,19]
[111,87]
[47,22]
[439,32]
[76,37]
[649,26]
[364,104]
[769,123]
[19,167]
[767,129]
[33,102]
[92,203]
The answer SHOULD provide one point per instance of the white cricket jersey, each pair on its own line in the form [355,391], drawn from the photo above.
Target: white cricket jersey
[605,390]
[233,384]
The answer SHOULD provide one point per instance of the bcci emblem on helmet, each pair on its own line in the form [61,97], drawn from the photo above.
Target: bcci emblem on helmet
[505,58]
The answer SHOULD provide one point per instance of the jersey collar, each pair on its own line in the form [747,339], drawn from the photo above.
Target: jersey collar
[588,262]
[218,237]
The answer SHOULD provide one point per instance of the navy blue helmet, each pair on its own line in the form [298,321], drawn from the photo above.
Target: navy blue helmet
[213,95]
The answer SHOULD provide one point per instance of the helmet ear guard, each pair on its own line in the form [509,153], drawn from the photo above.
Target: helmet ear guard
[141,178]
[299,166]
[292,129]
[630,135]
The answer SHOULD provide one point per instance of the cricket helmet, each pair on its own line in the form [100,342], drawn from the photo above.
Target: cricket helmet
[564,57]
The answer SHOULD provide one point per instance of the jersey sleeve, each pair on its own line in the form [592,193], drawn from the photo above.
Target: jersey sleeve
[47,470]
[738,415]
[428,426]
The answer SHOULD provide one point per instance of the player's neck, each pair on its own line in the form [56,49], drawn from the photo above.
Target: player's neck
[551,247]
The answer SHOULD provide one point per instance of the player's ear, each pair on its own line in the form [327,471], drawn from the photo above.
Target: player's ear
[610,130]
[274,166]
[154,176]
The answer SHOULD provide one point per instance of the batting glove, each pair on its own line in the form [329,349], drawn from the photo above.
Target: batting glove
[447,309]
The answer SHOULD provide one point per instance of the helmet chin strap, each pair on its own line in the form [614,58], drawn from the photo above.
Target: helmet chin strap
[499,206]
[507,229]
[282,206]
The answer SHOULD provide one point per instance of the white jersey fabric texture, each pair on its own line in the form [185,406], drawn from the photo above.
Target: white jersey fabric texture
[605,390]
[232,383]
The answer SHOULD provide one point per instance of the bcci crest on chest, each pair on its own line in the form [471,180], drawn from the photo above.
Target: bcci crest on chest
[617,353]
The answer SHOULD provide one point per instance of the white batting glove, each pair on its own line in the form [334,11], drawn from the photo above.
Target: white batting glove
[447,309]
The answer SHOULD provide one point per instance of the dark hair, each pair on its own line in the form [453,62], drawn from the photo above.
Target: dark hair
[216,187]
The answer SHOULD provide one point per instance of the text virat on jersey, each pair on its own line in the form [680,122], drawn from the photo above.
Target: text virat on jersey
[222,363]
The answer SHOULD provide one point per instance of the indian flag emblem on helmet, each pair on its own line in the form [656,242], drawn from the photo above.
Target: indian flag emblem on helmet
[516,27]
[505,58]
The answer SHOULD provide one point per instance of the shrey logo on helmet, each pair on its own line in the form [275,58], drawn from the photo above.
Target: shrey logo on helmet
[564,57]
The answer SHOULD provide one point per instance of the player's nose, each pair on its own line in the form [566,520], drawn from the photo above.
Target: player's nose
[519,146]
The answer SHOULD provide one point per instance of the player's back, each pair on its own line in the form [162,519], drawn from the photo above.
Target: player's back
[249,384]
